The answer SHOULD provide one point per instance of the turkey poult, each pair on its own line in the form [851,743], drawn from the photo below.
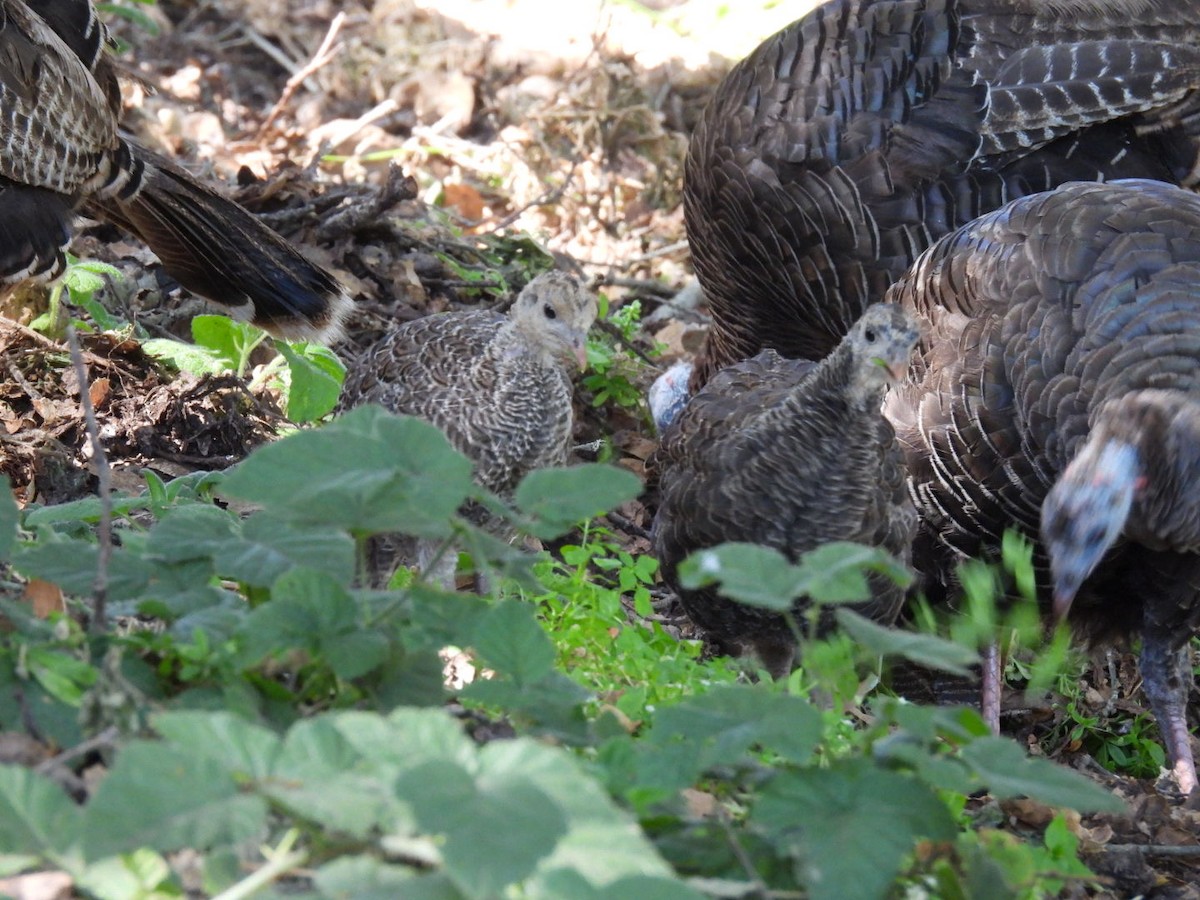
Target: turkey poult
[498,386]
[61,151]
[1057,389]
[847,143]
[789,454]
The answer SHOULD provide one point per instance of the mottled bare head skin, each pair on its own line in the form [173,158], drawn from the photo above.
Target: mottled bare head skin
[554,312]
[882,340]
[669,395]
[1085,512]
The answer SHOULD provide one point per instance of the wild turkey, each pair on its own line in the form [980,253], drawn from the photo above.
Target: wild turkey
[499,387]
[847,143]
[61,151]
[790,454]
[1057,389]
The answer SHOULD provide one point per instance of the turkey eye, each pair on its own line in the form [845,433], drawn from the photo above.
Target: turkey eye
[869,334]
[549,311]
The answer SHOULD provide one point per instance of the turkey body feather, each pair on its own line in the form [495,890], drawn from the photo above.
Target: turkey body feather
[1057,390]
[847,143]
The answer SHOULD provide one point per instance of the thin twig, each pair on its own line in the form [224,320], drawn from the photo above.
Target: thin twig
[105,738]
[104,486]
[325,53]
[1186,851]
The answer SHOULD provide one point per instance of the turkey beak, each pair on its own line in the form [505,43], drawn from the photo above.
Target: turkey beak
[580,350]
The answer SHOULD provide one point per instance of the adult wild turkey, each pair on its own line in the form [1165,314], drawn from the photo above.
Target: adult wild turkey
[1057,389]
[498,386]
[847,143]
[743,461]
[61,151]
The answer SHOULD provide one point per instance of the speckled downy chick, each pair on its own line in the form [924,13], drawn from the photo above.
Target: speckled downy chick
[498,386]
[789,454]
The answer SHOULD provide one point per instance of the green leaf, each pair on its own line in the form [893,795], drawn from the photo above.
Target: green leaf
[166,797]
[231,342]
[321,776]
[9,517]
[818,815]
[241,748]
[71,564]
[195,531]
[313,611]
[365,878]
[186,357]
[495,829]
[748,573]
[271,545]
[726,722]
[836,572]
[369,471]
[315,380]
[1007,771]
[601,842]
[560,498]
[926,650]
[510,640]
[37,817]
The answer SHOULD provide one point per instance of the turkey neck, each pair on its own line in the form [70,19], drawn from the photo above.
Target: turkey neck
[842,375]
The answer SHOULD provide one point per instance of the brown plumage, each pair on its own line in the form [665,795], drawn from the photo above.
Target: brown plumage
[61,151]
[789,454]
[498,386]
[1057,390]
[848,142]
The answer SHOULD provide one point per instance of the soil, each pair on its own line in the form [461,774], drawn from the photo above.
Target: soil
[424,159]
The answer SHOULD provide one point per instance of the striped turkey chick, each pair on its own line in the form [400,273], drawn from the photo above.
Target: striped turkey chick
[498,386]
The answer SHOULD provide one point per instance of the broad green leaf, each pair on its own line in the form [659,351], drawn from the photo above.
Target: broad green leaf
[186,357]
[322,777]
[366,878]
[836,572]
[560,498]
[313,611]
[165,797]
[748,573]
[601,842]
[406,737]
[71,564]
[568,884]
[723,724]
[142,873]
[315,380]
[510,640]
[926,650]
[271,545]
[369,471]
[230,341]
[195,531]
[243,749]
[494,829]
[37,817]
[849,825]
[1007,771]
[85,510]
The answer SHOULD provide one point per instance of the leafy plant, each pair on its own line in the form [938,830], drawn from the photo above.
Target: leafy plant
[613,374]
[308,376]
[281,705]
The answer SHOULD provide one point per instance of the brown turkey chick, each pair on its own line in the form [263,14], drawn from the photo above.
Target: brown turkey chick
[498,386]
[789,454]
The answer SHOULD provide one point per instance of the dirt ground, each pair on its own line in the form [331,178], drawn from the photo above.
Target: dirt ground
[407,145]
